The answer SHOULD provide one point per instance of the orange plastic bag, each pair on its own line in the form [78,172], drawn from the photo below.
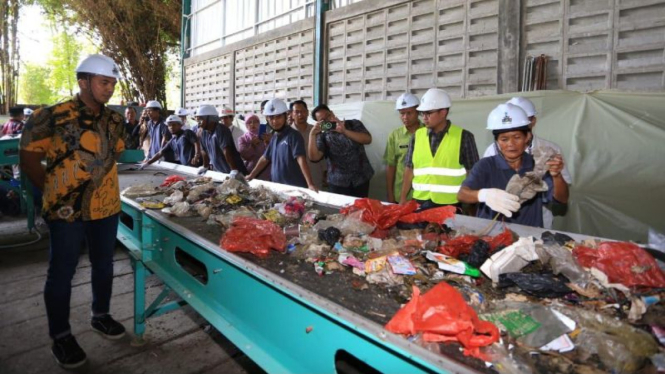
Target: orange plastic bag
[382,216]
[253,235]
[435,215]
[442,315]
[170,180]
[622,262]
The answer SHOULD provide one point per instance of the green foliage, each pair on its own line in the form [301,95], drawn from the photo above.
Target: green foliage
[62,63]
[34,87]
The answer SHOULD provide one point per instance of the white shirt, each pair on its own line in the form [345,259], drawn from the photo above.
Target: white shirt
[537,142]
[236,132]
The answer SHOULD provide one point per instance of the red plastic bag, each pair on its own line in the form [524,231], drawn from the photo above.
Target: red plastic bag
[382,216]
[170,180]
[457,246]
[434,215]
[504,239]
[253,235]
[462,244]
[622,262]
[442,315]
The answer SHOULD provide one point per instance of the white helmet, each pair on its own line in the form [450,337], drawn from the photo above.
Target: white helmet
[99,65]
[275,107]
[434,98]
[507,117]
[406,100]
[226,112]
[173,118]
[525,104]
[153,104]
[181,112]
[27,111]
[206,110]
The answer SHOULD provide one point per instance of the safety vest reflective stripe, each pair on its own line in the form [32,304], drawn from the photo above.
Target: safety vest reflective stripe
[435,188]
[440,171]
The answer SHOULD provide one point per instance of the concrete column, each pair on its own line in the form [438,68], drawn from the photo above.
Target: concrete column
[510,27]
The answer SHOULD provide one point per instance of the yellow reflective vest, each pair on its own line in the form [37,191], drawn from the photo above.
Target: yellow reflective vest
[438,178]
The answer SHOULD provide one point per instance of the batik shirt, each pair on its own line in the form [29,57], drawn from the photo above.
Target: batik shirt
[81,175]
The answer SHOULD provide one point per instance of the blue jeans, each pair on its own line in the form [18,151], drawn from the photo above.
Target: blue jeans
[65,248]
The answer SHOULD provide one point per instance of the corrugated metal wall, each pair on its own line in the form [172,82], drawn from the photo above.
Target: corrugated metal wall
[598,44]
[378,49]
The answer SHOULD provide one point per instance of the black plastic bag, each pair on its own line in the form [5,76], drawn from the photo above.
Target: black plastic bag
[330,235]
[539,285]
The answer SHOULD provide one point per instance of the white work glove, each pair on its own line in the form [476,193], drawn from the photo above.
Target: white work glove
[202,170]
[499,201]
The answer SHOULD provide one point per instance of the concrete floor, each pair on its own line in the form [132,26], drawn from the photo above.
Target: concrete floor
[178,342]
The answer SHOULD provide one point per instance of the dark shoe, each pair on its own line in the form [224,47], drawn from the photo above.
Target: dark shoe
[68,352]
[108,327]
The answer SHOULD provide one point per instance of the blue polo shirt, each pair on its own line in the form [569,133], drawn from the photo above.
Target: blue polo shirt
[214,142]
[157,131]
[494,172]
[282,152]
[183,146]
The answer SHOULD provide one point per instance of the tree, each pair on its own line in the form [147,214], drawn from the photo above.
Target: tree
[9,53]
[63,62]
[136,34]
[34,85]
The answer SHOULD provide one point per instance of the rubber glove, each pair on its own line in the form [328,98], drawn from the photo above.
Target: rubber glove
[499,201]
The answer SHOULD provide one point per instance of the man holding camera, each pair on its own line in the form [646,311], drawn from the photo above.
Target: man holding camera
[342,144]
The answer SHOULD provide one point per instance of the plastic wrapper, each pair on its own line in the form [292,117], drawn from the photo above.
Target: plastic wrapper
[622,262]
[352,224]
[140,190]
[562,262]
[176,197]
[227,219]
[383,276]
[203,210]
[230,186]
[379,215]
[533,325]
[253,235]
[181,209]
[330,235]
[293,208]
[442,315]
[200,192]
[620,347]
[171,179]
[556,238]
[539,285]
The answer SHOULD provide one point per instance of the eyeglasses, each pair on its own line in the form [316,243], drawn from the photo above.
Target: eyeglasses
[429,113]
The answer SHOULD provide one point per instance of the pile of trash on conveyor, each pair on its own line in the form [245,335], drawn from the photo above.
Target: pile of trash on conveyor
[521,304]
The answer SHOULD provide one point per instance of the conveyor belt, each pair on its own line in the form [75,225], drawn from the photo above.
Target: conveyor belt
[331,295]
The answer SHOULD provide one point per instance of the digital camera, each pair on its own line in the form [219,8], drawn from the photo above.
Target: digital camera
[327,126]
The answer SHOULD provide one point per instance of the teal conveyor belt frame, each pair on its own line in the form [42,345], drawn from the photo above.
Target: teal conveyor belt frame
[9,155]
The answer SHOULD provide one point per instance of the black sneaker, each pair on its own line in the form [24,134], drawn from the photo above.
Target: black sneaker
[68,353]
[108,327]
